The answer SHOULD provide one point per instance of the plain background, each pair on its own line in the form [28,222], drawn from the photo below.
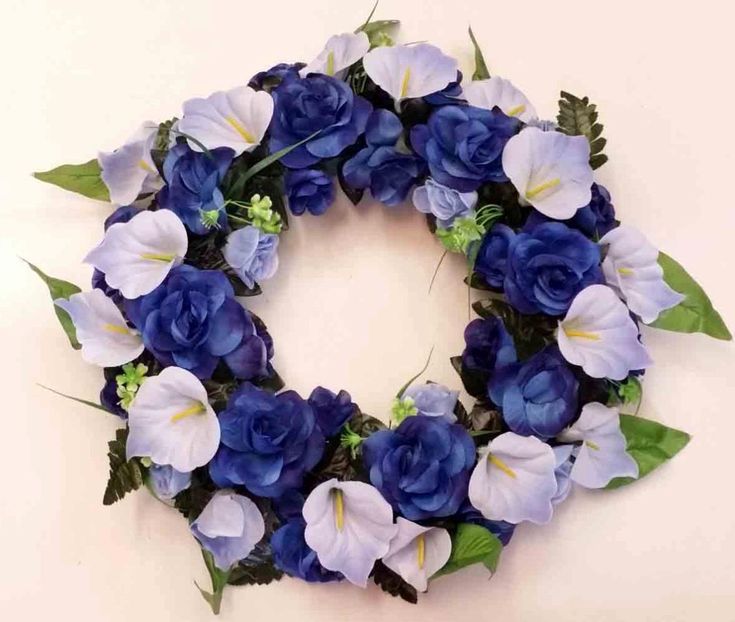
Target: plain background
[349,308]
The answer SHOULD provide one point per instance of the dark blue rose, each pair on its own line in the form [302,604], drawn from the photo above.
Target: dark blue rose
[309,191]
[120,215]
[271,78]
[380,166]
[488,346]
[268,443]
[499,528]
[331,411]
[193,320]
[449,95]
[192,184]
[289,505]
[463,145]
[292,555]
[548,267]
[492,258]
[537,397]
[317,102]
[422,467]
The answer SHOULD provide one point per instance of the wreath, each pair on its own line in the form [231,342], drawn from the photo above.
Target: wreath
[273,483]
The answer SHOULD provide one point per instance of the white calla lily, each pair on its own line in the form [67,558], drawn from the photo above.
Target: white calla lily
[339,53]
[417,552]
[171,421]
[350,526]
[101,329]
[563,455]
[405,71]
[602,455]
[514,480]
[236,119]
[599,335]
[631,268]
[136,256]
[497,91]
[550,170]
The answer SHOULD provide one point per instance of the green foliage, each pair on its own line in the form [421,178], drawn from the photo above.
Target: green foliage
[694,314]
[84,179]
[650,443]
[76,399]
[393,584]
[60,289]
[125,475]
[378,31]
[219,580]
[472,544]
[577,117]
[481,70]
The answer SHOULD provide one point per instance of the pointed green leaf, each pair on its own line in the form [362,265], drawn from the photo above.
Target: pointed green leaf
[481,70]
[84,179]
[650,443]
[472,544]
[369,17]
[76,399]
[694,314]
[125,475]
[219,583]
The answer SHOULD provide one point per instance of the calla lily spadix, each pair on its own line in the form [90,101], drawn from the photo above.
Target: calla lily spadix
[550,170]
[514,480]
[339,53]
[236,119]
[136,256]
[350,526]
[171,421]
[106,339]
[497,91]
[631,268]
[599,335]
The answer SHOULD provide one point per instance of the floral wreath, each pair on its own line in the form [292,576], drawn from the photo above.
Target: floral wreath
[273,483]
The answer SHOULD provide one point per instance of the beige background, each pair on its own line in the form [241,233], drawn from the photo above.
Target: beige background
[350,307]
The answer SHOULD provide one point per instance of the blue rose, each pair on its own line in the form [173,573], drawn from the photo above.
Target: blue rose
[252,254]
[463,145]
[380,166]
[166,482]
[537,397]
[488,347]
[444,203]
[449,95]
[192,184]
[271,78]
[316,103]
[548,267]
[422,467]
[109,398]
[268,443]
[309,191]
[492,258]
[331,411]
[293,556]
[193,320]
[499,528]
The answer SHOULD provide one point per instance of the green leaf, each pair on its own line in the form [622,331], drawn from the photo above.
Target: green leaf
[694,314]
[577,117]
[60,289]
[472,544]
[219,583]
[481,70]
[392,583]
[76,399]
[125,475]
[84,179]
[650,443]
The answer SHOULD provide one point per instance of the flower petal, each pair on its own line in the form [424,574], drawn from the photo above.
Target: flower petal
[339,53]
[497,91]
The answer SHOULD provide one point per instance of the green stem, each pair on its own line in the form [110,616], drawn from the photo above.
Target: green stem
[436,271]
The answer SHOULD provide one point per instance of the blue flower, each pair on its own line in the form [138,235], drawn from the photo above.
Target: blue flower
[167,482]
[492,258]
[331,411]
[269,442]
[120,215]
[293,556]
[252,254]
[499,528]
[433,400]
[451,94]
[271,78]
[422,467]
[444,203]
[193,320]
[316,103]
[380,166]
[463,145]
[489,346]
[109,398]
[192,184]
[309,190]
[537,397]
[548,267]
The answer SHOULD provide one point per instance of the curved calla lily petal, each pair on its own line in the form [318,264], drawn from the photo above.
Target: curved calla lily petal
[563,455]
[339,53]
[497,91]
[106,339]
[171,421]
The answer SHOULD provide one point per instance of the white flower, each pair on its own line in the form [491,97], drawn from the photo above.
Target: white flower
[129,170]
[514,480]
[101,329]
[563,455]
[631,268]
[171,421]
[350,526]
[598,335]
[410,70]
[136,256]
[550,170]
[602,455]
[236,119]
[497,91]
[417,552]
[339,53]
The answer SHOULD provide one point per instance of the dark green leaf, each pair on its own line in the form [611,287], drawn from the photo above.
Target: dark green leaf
[77,399]
[393,584]
[577,117]
[694,314]
[125,475]
[257,568]
[191,501]
[481,70]
[472,544]
[84,179]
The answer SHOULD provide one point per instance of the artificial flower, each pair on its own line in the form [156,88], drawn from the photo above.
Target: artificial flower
[444,203]
[492,257]
[106,339]
[433,400]
[252,254]
[350,526]
[563,457]
[309,190]
[166,482]
[171,421]
[497,91]
[331,410]
[502,530]
[271,79]
[599,335]
[293,556]
[451,94]
[488,346]
[550,170]
[339,53]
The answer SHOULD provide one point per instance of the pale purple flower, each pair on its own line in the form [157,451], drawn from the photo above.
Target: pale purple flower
[252,254]
[444,203]
[433,400]
[166,482]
